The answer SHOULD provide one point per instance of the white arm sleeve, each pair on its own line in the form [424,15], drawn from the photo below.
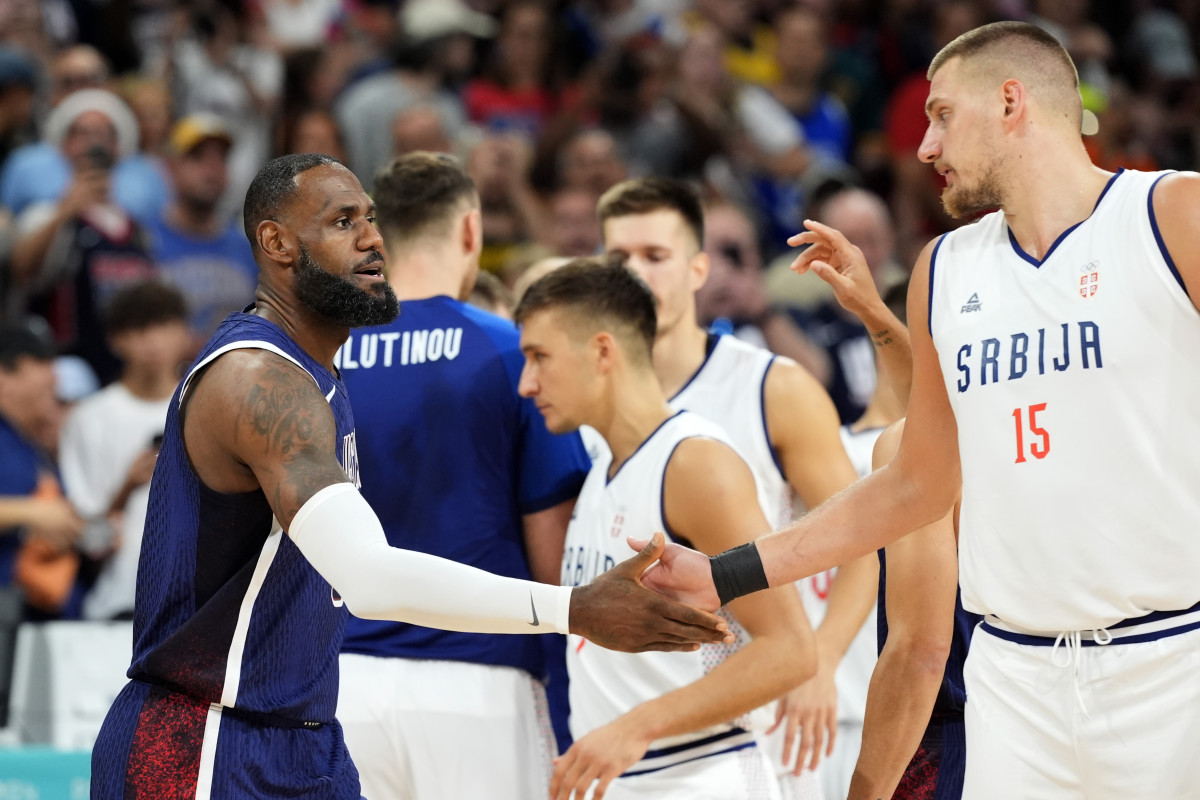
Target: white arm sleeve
[342,538]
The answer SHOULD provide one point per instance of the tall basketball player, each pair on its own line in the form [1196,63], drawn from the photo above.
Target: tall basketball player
[777,415]
[1054,370]
[237,625]
[653,726]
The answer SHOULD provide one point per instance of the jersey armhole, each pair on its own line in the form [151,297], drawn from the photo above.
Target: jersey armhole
[762,413]
[1162,246]
[932,266]
[248,344]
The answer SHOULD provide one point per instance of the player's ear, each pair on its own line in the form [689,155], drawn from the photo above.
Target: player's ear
[698,269]
[275,241]
[471,231]
[1014,97]
[604,351]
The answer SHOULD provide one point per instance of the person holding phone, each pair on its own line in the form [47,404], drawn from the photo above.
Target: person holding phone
[72,255]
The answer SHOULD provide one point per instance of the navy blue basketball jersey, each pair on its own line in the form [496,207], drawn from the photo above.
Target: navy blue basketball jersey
[952,694]
[452,458]
[227,610]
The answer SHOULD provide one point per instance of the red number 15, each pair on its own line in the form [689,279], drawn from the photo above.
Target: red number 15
[1038,451]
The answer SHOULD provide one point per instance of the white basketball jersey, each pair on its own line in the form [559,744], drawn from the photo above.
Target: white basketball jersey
[1075,383]
[606,684]
[728,390]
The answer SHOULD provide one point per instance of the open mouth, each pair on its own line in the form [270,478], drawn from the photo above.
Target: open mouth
[371,268]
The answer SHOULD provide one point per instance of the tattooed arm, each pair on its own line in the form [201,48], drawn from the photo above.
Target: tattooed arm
[255,420]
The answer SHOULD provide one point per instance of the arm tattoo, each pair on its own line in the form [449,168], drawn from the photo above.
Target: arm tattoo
[881,338]
[278,413]
[296,427]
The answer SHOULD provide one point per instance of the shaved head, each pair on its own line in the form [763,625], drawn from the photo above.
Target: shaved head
[1002,51]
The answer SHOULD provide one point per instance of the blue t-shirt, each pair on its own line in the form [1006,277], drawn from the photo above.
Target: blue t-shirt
[827,129]
[20,464]
[39,172]
[216,275]
[451,458]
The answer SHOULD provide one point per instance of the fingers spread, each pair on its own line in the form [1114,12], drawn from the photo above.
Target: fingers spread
[566,777]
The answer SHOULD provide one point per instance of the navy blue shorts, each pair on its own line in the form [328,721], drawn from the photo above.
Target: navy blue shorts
[159,744]
[937,768]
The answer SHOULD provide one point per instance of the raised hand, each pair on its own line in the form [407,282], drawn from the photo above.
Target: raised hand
[618,612]
[840,264]
[681,574]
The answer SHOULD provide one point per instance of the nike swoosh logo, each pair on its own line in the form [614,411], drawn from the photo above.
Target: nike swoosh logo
[533,608]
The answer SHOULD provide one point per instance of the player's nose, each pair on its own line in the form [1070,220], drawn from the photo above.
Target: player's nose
[930,147]
[526,385]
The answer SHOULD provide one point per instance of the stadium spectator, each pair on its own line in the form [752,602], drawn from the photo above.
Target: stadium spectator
[72,255]
[110,440]
[42,171]
[518,90]
[850,378]
[199,250]
[734,298]
[425,61]
[802,54]
[17,83]
[37,526]
[217,72]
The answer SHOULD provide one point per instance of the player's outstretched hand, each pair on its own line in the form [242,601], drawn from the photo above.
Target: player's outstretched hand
[840,264]
[681,574]
[598,758]
[810,712]
[618,612]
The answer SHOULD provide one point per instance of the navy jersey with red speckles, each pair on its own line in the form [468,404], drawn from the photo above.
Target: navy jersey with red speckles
[228,610]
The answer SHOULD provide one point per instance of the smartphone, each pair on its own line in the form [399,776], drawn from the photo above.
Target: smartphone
[99,157]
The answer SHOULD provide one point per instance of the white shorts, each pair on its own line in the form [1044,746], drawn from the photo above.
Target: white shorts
[445,730]
[805,786]
[837,770]
[740,775]
[1121,721]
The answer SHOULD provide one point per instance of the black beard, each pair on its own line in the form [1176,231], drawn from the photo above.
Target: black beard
[338,300]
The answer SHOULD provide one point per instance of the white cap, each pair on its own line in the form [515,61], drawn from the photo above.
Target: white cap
[63,115]
[423,20]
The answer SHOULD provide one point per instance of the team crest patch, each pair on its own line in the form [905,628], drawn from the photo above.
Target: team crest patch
[1089,281]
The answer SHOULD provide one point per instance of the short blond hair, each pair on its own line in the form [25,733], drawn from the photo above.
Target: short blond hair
[1003,50]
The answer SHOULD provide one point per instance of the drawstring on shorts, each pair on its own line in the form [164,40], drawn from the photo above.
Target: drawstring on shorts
[1072,642]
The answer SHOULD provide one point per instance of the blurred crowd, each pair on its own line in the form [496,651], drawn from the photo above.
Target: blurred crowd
[130,129]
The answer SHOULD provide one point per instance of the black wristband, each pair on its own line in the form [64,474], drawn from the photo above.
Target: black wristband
[738,572]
